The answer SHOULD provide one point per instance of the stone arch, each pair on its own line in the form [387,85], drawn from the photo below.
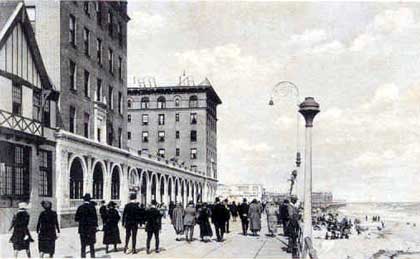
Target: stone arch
[154,185]
[77,172]
[144,181]
[98,177]
[162,188]
[170,187]
[116,183]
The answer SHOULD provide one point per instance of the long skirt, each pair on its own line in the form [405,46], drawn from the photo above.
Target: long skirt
[272,224]
[46,246]
[205,229]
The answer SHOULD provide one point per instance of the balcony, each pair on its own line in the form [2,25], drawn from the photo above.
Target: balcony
[19,123]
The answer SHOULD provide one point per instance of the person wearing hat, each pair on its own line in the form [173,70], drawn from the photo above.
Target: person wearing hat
[47,229]
[153,226]
[204,215]
[219,217]
[243,215]
[130,221]
[254,215]
[177,220]
[111,230]
[88,224]
[293,228]
[189,221]
[21,237]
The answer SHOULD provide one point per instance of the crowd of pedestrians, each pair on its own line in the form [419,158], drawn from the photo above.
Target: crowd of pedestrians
[135,215]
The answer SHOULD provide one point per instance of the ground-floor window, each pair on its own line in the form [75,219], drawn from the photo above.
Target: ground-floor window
[45,173]
[14,170]
[76,179]
[115,185]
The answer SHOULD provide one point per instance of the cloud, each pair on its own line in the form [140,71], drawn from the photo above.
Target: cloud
[144,24]
[394,20]
[308,37]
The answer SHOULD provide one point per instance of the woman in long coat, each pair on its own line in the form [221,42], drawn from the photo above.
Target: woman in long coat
[111,230]
[178,221]
[204,215]
[47,229]
[272,213]
[21,236]
[254,215]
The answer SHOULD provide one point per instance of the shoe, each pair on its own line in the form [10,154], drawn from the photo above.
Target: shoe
[157,251]
[148,251]
[125,250]
[135,251]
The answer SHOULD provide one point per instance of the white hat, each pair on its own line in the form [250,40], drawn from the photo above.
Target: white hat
[22,205]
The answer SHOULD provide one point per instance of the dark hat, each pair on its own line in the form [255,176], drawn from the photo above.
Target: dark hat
[217,199]
[133,196]
[112,204]
[154,202]
[87,197]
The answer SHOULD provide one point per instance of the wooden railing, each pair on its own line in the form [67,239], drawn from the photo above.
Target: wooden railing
[20,123]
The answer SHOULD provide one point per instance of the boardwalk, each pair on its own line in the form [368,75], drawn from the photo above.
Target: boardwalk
[235,246]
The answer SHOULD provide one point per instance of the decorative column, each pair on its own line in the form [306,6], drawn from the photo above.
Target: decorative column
[309,109]
[124,185]
[87,186]
[62,180]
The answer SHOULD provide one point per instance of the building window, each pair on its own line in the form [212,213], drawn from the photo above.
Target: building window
[45,174]
[99,90]
[110,135]
[193,154]
[193,136]
[98,13]
[111,61]
[161,136]
[145,119]
[86,125]
[129,135]
[14,172]
[86,83]
[86,35]
[98,134]
[111,97]
[120,68]
[120,103]
[177,152]
[129,117]
[72,30]
[161,119]
[145,136]
[110,24]
[161,102]
[46,117]
[177,102]
[99,51]
[17,99]
[119,138]
[177,134]
[144,104]
[193,118]
[176,117]
[194,168]
[72,120]
[72,75]
[36,102]
[193,101]
[31,11]
[120,34]
[86,8]
[161,152]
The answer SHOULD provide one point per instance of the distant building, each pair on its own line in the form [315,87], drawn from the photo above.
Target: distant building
[237,192]
[321,199]
[275,196]
[177,123]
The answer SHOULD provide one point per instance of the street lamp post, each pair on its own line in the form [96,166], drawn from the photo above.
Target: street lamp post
[309,109]
[284,88]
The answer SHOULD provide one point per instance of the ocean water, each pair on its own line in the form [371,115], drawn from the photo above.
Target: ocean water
[393,211]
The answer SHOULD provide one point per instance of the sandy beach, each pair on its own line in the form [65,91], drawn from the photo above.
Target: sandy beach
[399,239]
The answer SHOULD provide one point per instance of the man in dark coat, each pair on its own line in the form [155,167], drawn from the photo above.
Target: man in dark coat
[88,224]
[219,217]
[226,203]
[243,214]
[130,221]
[293,229]
[171,209]
[153,226]
[284,215]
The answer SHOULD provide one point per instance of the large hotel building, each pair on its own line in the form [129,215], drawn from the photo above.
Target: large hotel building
[63,114]
[178,123]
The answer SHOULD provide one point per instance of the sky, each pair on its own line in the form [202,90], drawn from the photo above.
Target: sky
[360,61]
